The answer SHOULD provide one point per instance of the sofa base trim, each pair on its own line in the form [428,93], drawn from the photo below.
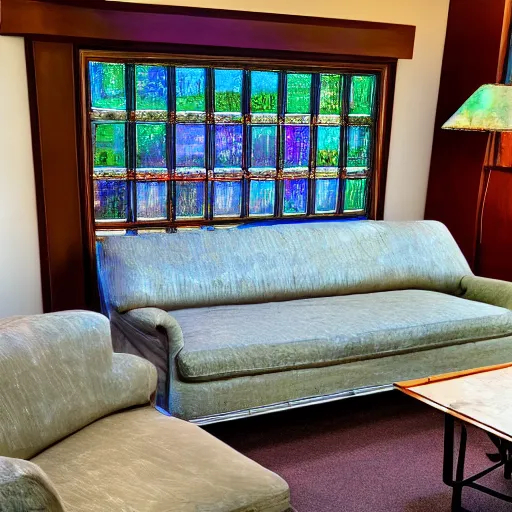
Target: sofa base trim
[291,404]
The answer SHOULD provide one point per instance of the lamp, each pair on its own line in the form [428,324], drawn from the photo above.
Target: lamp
[488,109]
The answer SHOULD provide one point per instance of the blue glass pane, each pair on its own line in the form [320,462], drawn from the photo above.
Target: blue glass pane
[190,145]
[152,200]
[108,144]
[264,91]
[296,149]
[190,87]
[151,87]
[110,199]
[295,196]
[227,199]
[228,145]
[358,146]
[262,196]
[328,146]
[189,199]
[228,90]
[263,146]
[108,87]
[326,195]
[151,145]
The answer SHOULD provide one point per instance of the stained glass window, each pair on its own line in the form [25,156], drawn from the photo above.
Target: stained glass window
[176,144]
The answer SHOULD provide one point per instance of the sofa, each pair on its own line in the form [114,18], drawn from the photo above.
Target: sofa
[249,320]
[77,432]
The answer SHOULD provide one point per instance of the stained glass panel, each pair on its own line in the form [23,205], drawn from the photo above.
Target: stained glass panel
[298,93]
[110,199]
[190,145]
[330,94]
[263,146]
[189,199]
[190,89]
[264,91]
[296,149]
[108,140]
[328,146]
[362,92]
[326,195]
[107,85]
[228,90]
[295,197]
[228,146]
[151,87]
[355,195]
[358,146]
[262,196]
[227,199]
[152,200]
[151,151]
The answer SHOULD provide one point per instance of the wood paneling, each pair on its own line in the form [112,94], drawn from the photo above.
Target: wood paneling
[471,58]
[115,21]
[53,108]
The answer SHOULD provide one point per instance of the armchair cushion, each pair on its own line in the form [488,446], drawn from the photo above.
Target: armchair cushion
[24,486]
[227,341]
[142,460]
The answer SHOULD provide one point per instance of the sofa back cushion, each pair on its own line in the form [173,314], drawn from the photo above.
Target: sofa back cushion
[58,374]
[275,263]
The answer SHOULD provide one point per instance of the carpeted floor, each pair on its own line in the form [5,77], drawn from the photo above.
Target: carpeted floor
[376,453]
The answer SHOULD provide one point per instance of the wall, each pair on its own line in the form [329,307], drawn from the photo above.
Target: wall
[20,282]
[416,86]
[411,137]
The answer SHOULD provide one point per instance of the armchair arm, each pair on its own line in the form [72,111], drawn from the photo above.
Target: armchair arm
[25,486]
[490,291]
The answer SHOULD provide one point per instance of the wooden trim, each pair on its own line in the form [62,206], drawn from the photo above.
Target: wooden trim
[117,21]
[54,128]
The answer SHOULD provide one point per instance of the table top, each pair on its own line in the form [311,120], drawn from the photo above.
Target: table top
[482,397]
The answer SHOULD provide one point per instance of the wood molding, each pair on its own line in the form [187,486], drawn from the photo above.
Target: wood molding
[116,21]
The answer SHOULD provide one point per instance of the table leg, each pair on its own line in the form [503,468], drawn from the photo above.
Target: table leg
[449,448]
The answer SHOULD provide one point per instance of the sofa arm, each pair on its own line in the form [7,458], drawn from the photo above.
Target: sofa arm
[490,291]
[25,486]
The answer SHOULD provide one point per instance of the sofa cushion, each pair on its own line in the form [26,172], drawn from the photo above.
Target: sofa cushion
[268,263]
[227,341]
[143,461]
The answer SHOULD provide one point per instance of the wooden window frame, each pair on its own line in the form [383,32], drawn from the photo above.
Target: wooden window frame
[56,31]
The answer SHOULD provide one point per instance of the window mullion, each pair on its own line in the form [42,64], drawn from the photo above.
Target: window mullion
[131,143]
[315,109]
[345,97]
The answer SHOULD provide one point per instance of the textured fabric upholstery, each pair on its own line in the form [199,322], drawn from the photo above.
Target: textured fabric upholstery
[143,461]
[274,263]
[58,374]
[490,291]
[196,400]
[25,487]
[227,341]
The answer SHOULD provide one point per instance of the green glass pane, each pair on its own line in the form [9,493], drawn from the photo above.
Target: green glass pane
[190,87]
[355,195]
[330,94]
[298,93]
[151,145]
[358,146]
[108,140]
[189,199]
[264,91]
[107,85]
[151,87]
[228,90]
[362,95]
[328,146]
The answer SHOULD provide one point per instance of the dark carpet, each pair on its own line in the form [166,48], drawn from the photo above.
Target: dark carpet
[377,453]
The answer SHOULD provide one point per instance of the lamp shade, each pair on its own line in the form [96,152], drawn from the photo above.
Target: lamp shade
[489,108]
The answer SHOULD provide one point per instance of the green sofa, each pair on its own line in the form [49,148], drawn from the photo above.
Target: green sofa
[77,433]
[247,321]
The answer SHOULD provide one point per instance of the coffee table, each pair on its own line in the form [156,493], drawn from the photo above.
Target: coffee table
[480,397]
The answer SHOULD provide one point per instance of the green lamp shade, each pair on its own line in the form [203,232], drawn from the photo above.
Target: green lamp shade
[489,108]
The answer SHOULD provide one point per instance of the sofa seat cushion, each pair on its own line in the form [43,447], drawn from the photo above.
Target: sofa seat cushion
[143,461]
[228,341]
